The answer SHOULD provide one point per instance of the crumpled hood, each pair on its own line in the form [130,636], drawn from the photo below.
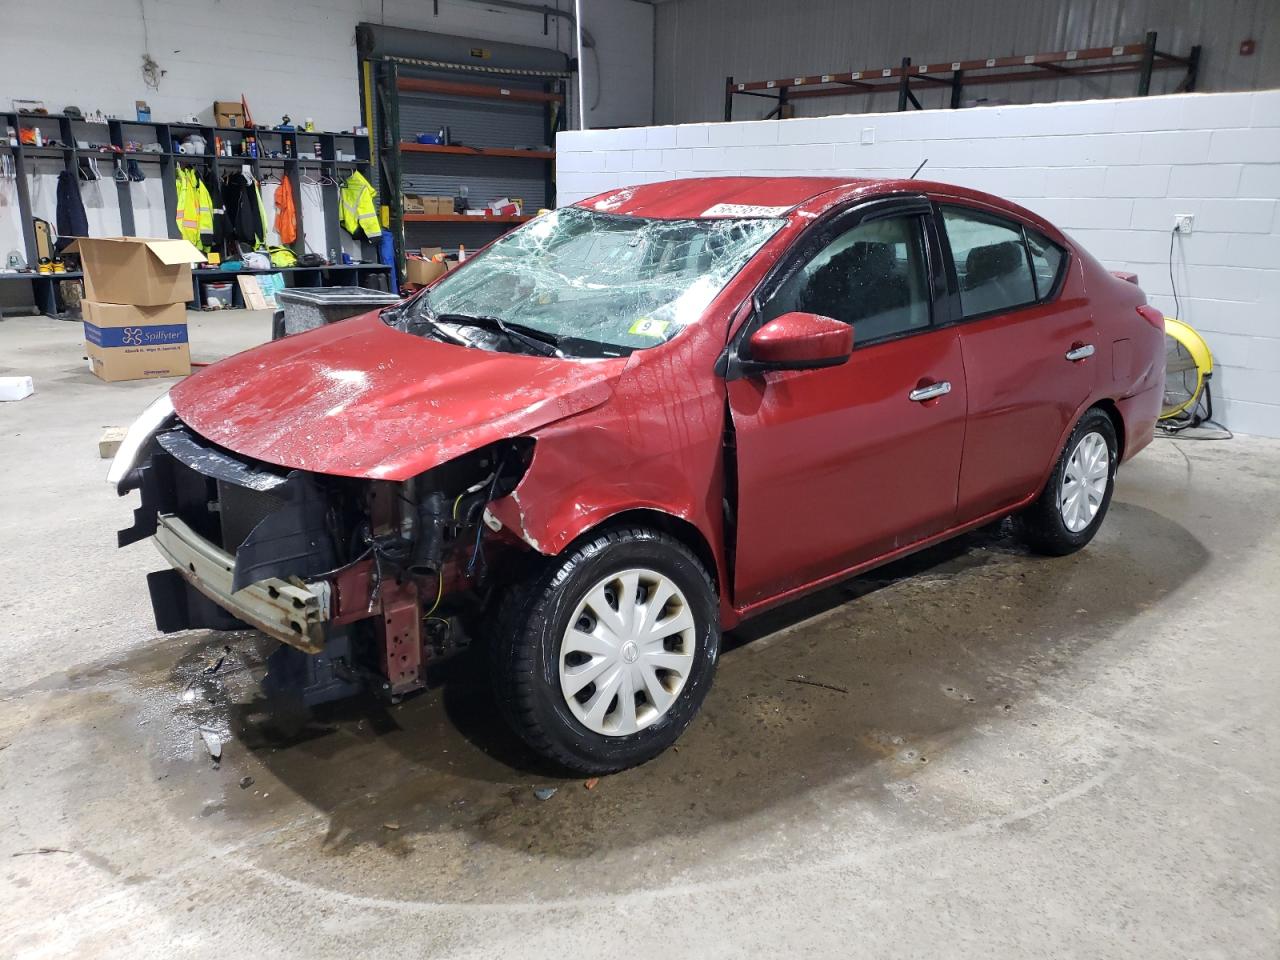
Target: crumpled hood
[360,399]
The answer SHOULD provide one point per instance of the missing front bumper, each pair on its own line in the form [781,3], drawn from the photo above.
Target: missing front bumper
[293,612]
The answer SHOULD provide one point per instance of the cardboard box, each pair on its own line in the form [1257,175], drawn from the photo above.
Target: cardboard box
[136,270]
[126,342]
[412,204]
[424,272]
[228,113]
[443,205]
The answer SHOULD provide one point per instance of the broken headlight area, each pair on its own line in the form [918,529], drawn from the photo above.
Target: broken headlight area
[363,581]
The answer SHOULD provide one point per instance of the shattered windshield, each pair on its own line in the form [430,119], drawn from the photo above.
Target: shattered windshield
[578,283]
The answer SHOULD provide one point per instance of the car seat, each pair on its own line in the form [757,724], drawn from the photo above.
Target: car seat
[862,286]
[992,279]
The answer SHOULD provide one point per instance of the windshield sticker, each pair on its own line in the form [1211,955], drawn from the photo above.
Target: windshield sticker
[743,210]
[649,327]
[614,200]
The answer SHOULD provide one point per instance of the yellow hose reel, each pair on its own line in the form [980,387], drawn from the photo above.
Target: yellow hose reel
[1188,369]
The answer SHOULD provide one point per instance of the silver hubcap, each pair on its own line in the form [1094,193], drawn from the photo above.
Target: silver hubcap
[1084,482]
[627,652]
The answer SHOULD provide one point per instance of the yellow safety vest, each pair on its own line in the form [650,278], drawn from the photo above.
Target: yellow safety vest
[357,207]
[188,216]
[204,205]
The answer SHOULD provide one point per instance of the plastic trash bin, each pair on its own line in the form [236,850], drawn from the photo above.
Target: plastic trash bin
[305,308]
[218,295]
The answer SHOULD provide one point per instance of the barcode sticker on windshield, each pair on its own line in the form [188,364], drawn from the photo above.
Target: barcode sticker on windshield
[743,210]
[648,327]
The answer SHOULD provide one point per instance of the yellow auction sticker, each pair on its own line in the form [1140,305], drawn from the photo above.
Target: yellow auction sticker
[649,327]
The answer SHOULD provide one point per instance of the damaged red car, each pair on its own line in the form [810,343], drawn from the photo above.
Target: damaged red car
[630,424]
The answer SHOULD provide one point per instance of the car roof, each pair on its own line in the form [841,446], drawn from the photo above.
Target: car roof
[699,197]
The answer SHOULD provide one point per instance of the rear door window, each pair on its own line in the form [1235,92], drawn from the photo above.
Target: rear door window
[991,262]
[1047,259]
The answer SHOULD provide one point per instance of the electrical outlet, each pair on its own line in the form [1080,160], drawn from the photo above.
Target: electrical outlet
[1183,222]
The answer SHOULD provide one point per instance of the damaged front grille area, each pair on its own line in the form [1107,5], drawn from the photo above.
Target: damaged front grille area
[221,496]
[275,524]
[373,574]
[240,510]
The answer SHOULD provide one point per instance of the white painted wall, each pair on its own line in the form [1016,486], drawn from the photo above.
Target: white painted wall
[286,56]
[1111,173]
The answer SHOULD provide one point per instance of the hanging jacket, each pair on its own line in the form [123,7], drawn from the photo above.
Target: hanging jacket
[286,218]
[204,206]
[217,213]
[256,192]
[188,205]
[357,208]
[72,220]
[245,215]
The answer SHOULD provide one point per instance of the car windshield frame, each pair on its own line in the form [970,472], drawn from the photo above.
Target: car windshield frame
[594,284]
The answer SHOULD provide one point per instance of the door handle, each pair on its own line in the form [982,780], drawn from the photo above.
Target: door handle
[1079,351]
[921,394]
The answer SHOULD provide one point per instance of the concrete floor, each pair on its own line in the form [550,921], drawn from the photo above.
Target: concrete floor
[1033,758]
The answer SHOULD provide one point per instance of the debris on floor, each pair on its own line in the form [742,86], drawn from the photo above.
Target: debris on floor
[246,783]
[816,683]
[110,441]
[16,388]
[544,793]
[592,783]
[212,743]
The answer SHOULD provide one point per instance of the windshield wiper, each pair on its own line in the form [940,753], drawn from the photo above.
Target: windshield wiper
[539,341]
[415,317]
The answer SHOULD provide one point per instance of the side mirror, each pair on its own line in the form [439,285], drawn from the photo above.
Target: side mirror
[800,341]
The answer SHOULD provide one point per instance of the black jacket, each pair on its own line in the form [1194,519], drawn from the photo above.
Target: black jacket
[244,220]
[72,220]
[217,239]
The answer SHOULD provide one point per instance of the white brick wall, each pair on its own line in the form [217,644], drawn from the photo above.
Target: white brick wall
[1112,173]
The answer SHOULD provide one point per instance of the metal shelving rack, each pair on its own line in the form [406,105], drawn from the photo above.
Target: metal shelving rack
[508,118]
[906,78]
[166,163]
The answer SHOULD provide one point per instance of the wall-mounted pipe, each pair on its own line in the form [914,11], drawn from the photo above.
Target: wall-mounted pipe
[582,39]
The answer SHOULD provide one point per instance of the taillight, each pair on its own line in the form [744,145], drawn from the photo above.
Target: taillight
[1152,316]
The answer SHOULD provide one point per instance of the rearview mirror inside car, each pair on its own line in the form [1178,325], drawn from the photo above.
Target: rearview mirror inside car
[800,341]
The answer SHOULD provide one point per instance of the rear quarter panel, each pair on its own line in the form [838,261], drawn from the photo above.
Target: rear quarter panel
[1132,375]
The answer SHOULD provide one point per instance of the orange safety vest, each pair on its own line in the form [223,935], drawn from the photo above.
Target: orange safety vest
[286,217]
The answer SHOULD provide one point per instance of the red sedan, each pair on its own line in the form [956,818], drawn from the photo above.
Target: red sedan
[633,422]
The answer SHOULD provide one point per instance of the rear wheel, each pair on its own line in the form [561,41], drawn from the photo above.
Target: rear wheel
[1075,499]
[603,658]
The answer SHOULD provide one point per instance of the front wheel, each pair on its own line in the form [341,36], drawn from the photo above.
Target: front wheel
[1075,499]
[603,658]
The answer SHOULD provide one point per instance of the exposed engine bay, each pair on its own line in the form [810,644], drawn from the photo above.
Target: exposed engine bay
[364,581]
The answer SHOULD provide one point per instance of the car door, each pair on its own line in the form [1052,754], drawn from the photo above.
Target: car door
[840,465]
[1027,337]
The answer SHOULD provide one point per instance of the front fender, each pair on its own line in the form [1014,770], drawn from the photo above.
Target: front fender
[585,473]
[557,501]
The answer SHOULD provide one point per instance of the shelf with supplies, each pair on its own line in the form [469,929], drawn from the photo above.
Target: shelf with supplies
[109,139]
[465,218]
[493,125]
[464,151]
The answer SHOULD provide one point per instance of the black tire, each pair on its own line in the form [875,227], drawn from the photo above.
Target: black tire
[1041,525]
[532,620]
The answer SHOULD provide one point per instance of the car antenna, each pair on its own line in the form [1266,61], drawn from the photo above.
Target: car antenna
[919,168]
